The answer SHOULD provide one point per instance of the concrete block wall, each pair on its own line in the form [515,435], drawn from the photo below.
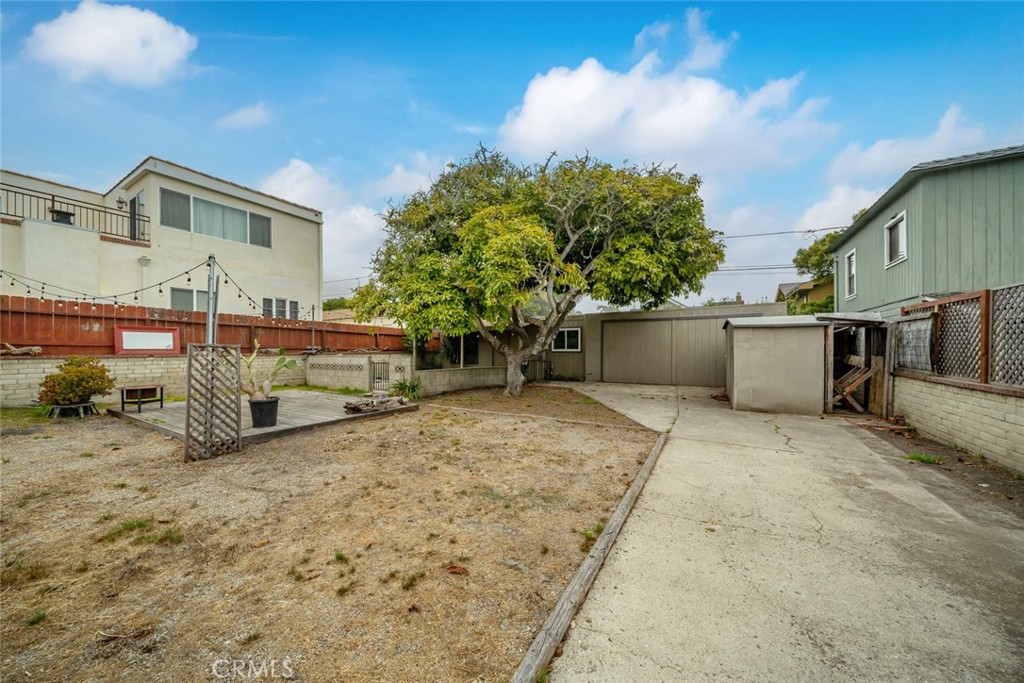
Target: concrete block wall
[982,422]
[20,377]
[453,379]
[352,371]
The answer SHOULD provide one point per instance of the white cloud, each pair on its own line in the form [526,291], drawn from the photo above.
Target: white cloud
[885,160]
[352,231]
[650,35]
[695,122]
[245,118]
[837,209]
[404,180]
[123,44]
[706,51]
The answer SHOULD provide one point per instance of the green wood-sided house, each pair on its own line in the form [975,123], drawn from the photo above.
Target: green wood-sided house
[946,227]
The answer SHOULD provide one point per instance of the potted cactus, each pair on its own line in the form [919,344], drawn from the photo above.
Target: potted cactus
[262,405]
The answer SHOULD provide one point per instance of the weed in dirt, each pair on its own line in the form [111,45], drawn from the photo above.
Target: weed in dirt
[295,573]
[924,458]
[36,618]
[112,444]
[351,430]
[82,567]
[453,540]
[121,485]
[544,550]
[590,536]
[346,589]
[391,575]
[166,537]
[87,454]
[14,572]
[29,497]
[432,535]
[340,557]
[140,524]
[412,580]
[104,518]
[143,489]
[5,460]
[252,637]
[43,436]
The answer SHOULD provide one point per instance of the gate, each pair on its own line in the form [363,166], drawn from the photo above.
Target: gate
[379,375]
[213,401]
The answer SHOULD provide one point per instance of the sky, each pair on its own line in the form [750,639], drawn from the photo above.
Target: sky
[794,115]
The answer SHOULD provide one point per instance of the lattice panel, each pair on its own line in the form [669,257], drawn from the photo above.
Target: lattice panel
[1006,340]
[959,351]
[914,344]
[213,408]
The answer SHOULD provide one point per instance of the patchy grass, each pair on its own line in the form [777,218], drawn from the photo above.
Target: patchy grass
[590,536]
[344,391]
[139,524]
[23,416]
[925,458]
[36,618]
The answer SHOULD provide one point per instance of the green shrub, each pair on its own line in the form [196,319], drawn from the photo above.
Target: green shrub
[409,388]
[77,380]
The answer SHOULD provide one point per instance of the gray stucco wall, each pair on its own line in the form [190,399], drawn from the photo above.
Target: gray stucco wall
[777,369]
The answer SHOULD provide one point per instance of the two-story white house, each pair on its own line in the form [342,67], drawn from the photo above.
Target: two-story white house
[156,223]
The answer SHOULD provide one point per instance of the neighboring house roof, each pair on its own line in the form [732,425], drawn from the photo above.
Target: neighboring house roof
[917,172]
[787,289]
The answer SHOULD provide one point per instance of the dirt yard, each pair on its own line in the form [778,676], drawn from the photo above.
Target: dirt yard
[425,546]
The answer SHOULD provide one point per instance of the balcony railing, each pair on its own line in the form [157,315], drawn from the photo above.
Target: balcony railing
[20,202]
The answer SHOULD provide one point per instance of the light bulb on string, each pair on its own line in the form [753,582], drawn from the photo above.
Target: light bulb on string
[161,290]
[136,297]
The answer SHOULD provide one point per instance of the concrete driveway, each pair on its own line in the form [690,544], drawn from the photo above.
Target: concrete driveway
[789,548]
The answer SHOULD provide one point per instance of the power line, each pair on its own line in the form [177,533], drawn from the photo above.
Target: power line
[782,232]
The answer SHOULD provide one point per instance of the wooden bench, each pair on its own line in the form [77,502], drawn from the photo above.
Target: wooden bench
[150,393]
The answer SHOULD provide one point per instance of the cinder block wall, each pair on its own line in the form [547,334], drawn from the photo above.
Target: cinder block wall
[984,423]
[353,370]
[20,377]
[452,379]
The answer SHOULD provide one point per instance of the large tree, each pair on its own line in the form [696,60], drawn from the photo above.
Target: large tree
[489,238]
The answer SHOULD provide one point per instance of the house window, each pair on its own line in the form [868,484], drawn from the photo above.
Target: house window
[851,274]
[188,299]
[280,308]
[567,339]
[175,211]
[217,220]
[204,217]
[259,230]
[896,240]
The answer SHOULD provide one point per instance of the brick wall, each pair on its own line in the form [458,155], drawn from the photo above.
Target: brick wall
[981,422]
[20,376]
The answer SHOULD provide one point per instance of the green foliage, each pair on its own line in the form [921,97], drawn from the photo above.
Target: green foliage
[811,307]
[256,389]
[724,301]
[496,247]
[409,388]
[816,261]
[337,303]
[77,380]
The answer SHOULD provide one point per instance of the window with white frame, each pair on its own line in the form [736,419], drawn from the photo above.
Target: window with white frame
[851,274]
[188,299]
[203,217]
[566,339]
[280,308]
[896,239]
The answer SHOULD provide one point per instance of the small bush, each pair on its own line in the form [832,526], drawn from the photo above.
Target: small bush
[77,380]
[409,388]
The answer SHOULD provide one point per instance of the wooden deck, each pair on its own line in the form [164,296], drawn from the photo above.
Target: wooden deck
[298,411]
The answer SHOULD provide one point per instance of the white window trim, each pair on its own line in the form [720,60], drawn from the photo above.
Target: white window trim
[900,218]
[846,273]
[579,340]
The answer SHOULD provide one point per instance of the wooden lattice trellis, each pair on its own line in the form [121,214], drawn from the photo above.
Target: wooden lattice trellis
[213,408]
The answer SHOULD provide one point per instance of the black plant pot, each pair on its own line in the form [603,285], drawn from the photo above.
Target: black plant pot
[264,411]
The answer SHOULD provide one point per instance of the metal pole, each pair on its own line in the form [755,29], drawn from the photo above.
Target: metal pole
[211,294]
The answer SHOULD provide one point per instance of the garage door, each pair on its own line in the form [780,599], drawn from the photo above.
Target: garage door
[688,352]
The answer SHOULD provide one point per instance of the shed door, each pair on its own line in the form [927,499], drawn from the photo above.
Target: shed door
[637,351]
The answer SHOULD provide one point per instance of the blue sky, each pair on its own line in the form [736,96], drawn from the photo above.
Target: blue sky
[794,114]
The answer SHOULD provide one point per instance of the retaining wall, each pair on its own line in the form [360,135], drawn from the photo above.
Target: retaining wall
[982,422]
[453,379]
[20,377]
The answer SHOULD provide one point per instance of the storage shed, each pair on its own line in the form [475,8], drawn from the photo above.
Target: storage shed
[777,364]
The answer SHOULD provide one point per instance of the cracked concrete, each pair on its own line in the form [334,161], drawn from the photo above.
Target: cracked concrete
[792,548]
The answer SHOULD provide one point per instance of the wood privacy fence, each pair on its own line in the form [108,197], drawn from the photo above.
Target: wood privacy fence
[977,336]
[65,328]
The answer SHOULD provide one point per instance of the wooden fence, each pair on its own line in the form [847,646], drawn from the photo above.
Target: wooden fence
[64,328]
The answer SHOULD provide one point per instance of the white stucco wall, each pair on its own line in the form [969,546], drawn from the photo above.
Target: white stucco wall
[777,369]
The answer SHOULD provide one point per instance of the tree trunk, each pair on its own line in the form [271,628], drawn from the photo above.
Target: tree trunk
[514,379]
